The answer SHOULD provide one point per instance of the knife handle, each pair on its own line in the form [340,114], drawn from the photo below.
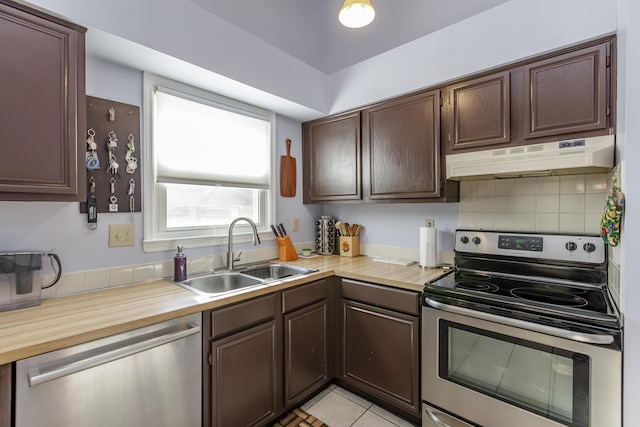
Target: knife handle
[273,228]
[284,232]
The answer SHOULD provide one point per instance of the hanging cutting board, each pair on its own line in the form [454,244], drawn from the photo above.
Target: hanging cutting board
[288,173]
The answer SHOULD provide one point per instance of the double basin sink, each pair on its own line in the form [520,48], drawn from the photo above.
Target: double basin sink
[229,281]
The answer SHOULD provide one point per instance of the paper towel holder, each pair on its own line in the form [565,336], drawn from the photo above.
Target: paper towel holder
[428,246]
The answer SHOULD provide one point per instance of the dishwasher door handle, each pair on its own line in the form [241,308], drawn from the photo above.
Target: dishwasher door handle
[38,376]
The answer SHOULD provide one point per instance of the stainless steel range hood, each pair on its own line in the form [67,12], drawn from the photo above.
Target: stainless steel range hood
[576,156]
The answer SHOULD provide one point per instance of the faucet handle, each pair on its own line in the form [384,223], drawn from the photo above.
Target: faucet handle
[237,258]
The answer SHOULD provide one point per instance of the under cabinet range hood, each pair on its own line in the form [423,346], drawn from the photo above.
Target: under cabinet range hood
[576,156]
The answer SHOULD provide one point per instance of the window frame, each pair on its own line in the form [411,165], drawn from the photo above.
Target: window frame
[155,239]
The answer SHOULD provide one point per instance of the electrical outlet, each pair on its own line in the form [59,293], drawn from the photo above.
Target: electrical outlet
[122,235]
[429,223]
[295,224]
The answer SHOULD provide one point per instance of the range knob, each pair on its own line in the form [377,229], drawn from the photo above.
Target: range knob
[571,246]
[476,240]
[589,247]
[464,239]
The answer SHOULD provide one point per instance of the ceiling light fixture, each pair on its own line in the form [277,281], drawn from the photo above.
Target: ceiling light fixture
[356,13]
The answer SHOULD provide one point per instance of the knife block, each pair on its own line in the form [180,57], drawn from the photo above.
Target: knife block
[287,250]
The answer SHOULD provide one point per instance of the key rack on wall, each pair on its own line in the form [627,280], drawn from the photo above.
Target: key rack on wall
[110,120]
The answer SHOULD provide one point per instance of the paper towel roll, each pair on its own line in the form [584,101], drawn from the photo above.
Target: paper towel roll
[428,247]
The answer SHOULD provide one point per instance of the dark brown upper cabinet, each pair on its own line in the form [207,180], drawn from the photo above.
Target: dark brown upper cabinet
[332,159]
[42,107]
[401,141]
[562,95]
[567,93]
[478,112]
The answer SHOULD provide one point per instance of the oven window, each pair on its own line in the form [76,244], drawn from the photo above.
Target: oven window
[549,381]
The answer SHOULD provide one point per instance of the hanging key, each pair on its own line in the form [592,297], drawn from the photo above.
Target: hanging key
[92,205]
[132,187]
[113,204]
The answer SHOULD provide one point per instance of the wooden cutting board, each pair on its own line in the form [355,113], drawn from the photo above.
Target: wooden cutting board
[288,173]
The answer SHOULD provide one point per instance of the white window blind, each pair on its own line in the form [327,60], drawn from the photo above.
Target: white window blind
[210,160]
[197,141]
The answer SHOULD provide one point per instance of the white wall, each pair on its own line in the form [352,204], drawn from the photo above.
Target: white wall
[504,34]
[398,224]
[629,135]
[62,228]
[172,37]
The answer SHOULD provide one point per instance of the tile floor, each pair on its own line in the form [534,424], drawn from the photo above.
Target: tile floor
[339,408]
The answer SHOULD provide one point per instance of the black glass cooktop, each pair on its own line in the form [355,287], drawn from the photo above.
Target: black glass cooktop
[591,303]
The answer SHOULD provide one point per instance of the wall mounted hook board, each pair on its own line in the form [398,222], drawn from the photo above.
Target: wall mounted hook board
[106,130]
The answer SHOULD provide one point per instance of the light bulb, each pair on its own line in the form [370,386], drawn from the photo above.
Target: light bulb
[356,13]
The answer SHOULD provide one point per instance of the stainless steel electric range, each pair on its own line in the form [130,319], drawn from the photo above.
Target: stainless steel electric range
[523,331]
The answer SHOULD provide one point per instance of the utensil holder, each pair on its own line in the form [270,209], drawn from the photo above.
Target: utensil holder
[287,250]
[349,246]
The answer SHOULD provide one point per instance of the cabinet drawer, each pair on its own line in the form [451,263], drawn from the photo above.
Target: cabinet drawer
[243,315]
[382,296]
[295,298]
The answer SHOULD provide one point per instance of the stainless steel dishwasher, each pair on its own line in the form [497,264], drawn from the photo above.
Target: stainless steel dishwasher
[150,376]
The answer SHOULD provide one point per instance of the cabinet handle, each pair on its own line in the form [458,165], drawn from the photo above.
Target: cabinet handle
[38,376]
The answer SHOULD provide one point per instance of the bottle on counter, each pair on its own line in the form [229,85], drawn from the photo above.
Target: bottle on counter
[180,265]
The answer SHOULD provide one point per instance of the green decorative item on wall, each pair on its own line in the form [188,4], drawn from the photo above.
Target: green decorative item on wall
[612,215]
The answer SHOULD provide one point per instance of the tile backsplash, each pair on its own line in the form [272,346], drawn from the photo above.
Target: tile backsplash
[569,203]
[92,280]
[565,204]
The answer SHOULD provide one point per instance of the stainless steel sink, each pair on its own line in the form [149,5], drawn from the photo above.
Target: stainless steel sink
[228,281]
[270,272]
[220,283]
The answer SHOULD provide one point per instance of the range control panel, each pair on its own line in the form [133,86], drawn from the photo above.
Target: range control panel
[521,243]
[561,247]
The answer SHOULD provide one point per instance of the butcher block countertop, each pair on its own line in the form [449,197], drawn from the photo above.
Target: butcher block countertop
[65,321]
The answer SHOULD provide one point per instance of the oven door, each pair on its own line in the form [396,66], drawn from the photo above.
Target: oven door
[492,374]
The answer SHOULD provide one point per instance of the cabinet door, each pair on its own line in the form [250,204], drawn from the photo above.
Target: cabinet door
[332,159]
[478,112]
[6,373]
[244,377]
[380,352]
[306,353]
[402,148]
[567,93]
[42,107]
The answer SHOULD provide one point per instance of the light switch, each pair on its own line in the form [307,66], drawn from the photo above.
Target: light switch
[122,235]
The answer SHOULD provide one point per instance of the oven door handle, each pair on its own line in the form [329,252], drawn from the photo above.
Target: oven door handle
[442,419]
[599,339]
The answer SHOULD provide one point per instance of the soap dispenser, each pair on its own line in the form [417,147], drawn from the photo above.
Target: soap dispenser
[180,265]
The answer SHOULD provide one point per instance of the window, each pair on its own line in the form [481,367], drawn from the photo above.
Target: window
[209,161]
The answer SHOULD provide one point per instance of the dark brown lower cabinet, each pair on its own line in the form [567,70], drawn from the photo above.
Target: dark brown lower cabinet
[306,363]
[244,377]
[272,353]
[5,394]
[245,374]
[380,348]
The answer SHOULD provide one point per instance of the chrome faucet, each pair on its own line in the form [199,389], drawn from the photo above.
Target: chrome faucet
[256,240]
